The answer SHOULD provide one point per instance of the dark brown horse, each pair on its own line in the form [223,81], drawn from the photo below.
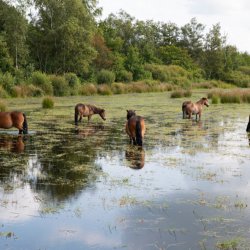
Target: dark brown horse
[248,125]
[189,108]
[14,119]
[135,128]
[87,110]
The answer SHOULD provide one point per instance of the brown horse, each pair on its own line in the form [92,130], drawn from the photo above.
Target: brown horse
[14,119]
[88,110]
[135,128]
[248,125]
[189,108]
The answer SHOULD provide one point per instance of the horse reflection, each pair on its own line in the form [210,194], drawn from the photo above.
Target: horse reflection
[135,157]
[248,125]
[12,144]
[89,130]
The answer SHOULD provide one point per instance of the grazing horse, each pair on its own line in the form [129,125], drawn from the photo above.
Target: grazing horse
[135,128]
[248,125]
[189,108]
[88,110]
[14,119]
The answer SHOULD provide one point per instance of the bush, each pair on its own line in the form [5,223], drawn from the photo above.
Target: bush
[7,81]
[88,89]
[24,90]
[3,93]
[104,89]
[2,106]
[42,81]
[215,99]
[124,76]
[181,93]
[119,88]
[60,86]
[105,76]
[48,103]
[73,82]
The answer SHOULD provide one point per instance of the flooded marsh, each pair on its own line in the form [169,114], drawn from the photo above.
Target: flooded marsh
[85,187]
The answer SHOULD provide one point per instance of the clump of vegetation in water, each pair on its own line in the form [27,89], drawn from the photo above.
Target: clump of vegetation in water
[181,93]
[48,103]
[230,96]
[228,244]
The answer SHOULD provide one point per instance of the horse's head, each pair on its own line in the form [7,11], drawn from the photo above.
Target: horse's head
[130,113]
[102,114]
[205,101]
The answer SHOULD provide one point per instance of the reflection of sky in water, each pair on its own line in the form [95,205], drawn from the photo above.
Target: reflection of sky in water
[186,195]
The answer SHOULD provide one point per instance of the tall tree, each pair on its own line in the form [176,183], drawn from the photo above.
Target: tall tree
[61,36]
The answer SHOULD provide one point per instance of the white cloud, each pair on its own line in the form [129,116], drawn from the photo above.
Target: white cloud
[232,15]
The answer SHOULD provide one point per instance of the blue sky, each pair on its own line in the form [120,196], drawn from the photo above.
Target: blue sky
[233,16]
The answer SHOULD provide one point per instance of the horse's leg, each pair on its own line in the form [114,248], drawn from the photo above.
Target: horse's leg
[80,119]
[134,141]
[20,131]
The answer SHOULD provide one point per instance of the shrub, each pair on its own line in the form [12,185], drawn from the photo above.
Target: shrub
[88,89]
[48,103]
[73,82]
[177,94]
[124,76]
[215,99]
[42,81]
[3,93]
[60,86]
[229,98]
[7,81]
[187,93]
[105,76]
[119,88]
[2,106]
[104,89]
[24,90]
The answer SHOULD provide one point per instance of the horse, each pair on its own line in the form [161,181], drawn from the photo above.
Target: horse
[14,119]
[184,104]
[88,110]
[189,108]
[248,125]
[135,128]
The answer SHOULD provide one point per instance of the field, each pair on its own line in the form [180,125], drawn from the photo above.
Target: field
[63,187]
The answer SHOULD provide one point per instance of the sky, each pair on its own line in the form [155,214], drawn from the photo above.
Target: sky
[233,15]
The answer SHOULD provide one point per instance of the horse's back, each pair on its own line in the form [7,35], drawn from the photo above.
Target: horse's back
[131,125]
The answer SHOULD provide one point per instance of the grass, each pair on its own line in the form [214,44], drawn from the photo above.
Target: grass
[3,106]
[230,96]
[181,93]
[231,244]
[48,103]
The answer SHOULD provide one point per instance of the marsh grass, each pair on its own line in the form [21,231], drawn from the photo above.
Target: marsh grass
[231,244]
[230,96]
[48,103]
[181,93]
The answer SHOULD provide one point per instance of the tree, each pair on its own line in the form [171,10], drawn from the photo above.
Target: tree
[61,35]
[213,61]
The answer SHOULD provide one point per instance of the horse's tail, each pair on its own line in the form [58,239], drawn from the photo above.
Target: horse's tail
[76,116]
[138,133]
[248,125]
[25,125]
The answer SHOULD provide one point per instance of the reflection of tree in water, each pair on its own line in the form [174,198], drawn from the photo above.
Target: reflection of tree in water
[57,166]
[135,157]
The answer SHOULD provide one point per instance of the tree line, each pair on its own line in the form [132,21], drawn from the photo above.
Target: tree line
[58,37]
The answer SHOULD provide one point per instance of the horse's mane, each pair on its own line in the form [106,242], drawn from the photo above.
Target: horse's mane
[95,109]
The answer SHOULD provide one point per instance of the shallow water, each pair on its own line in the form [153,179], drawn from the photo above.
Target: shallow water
[63,187]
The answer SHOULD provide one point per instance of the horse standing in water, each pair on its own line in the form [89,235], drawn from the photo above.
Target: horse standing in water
[189,108]
[14,119]
[135,128]
[88,110]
